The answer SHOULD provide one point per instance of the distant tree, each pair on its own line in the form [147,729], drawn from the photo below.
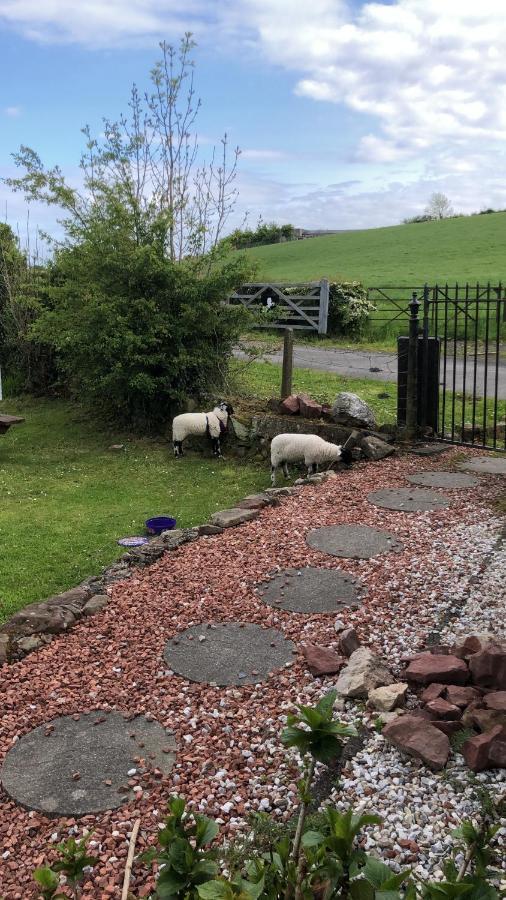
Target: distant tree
[439,207]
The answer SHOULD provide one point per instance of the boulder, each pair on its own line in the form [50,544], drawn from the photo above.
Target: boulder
[476,751]
[309,408]
[488,666]
[443,710]
[322,660]
[374,448]
[30,643]
[348,409]
[364,672]
[447,727]
[419,738]
[496,700]
[472,643]
[432,692]
[208,530]
[241,431]
[386,698]
[290,405]
[477,716]
[39,618]
[427,668]
[228,518]
[95,604]
[348,641]
[461,696]
[497,752]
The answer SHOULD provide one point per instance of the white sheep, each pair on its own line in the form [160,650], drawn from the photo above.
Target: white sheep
[213,423]
[309,448]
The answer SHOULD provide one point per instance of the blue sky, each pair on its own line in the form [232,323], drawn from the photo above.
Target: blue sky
[348,114]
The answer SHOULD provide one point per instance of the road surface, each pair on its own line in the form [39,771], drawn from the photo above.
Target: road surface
[383,367]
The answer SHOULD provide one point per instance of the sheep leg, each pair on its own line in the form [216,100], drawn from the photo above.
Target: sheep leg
[312,469]
[216,447]
[178,449]
[273,475]
[285,470]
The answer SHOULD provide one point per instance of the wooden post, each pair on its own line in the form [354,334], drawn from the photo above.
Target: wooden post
[412,376]
[286,380]
[324,306]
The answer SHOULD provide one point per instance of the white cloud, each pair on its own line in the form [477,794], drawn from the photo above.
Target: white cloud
[12,111]
[429,78]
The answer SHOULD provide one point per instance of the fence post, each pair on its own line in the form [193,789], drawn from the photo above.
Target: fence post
[286,380]
[324,306]
[412,375]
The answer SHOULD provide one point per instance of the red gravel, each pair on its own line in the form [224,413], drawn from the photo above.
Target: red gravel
[114,660]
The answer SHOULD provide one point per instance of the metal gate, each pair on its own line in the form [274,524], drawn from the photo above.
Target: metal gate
[470,323]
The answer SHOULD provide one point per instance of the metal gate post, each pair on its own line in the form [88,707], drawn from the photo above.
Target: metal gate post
[412,376]
[324,306]
[425,356]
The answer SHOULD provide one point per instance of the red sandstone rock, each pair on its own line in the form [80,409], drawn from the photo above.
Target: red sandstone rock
[418,738]
[476,750]
[443,710]
[322,660]
[309,408]
[432,692]
[496,700]
[488,666]
[473,643]
[427,668]
[348,641]
[461,696]
[290,405]
[448,728]
[497,752]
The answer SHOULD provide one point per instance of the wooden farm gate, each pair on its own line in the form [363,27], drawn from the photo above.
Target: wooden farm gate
[303,306]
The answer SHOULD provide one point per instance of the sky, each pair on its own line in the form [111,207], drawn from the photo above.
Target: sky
[348,114]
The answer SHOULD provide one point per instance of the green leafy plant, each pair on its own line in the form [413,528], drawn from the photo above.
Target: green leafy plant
[184,862]
[349,308]
[74,859]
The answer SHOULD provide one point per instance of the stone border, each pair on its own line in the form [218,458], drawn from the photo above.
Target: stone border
[36,625]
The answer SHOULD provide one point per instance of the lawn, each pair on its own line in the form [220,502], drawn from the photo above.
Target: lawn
[66,497]
[470,249]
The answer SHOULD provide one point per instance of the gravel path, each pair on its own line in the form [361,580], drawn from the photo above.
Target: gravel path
[229,759]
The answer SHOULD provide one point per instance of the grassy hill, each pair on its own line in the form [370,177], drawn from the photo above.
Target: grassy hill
[466,249]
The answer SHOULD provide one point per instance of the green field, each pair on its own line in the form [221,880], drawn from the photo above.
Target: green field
[470,249]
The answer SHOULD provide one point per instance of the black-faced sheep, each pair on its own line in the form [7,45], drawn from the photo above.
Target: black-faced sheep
[213,423]
[307,448]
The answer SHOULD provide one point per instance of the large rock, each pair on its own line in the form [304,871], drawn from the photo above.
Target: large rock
[290,405]
[227,518]
[478,716]
[374,448]
[39,618]
[387,698]
[428,667]
[322,660]
[472,643]
[444,710]
[95,604]
[478,751]
[364,672]
[348,409]
[309,408]
[348,641]
[496,700]
[419,738]
[488,667]
[461,696]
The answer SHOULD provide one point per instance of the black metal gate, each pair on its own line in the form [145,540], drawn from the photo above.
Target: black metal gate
[470,323]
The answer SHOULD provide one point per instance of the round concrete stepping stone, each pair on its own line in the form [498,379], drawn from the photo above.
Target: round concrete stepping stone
[228,653]
[352,541]
[443,479]
[408,499]
[312,590]
[73,766]
[490,465]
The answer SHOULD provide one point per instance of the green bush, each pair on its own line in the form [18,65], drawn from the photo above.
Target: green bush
[349,308]
[134,333]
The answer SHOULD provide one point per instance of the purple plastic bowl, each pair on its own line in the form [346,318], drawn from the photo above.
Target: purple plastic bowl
[159,524]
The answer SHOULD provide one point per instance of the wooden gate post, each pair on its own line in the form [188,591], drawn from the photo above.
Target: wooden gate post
[412,375]
[286,380]
[324,306]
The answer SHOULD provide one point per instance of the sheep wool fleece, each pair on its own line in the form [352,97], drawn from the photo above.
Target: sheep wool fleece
[308,447]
